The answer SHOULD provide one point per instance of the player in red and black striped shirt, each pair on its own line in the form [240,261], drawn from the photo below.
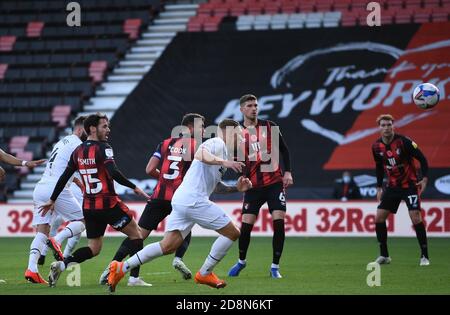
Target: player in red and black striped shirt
[175,156]
[268,181]
[94,160]
[394,155]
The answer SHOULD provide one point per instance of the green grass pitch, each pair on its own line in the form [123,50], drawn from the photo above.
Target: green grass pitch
[308,266]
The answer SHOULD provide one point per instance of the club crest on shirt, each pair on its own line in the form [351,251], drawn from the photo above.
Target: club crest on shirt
[109,153]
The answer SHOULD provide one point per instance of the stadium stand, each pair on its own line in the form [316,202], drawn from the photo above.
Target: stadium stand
[292,14]
[49,71]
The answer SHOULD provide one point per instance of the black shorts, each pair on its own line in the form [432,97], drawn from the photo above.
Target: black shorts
[273,194]
[391,198]
[155,211]
[97,220]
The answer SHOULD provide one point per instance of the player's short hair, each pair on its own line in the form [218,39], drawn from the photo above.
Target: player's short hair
[385,117]
[228,122]
[189,118]
[93,120]
[247,97]
[79,121]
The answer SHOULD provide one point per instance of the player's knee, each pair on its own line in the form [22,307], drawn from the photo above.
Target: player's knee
[416,218]
[234,235]
[95,248]
[168,249]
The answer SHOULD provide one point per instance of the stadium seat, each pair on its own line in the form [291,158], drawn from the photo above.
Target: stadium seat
[7,43]
[34,29]
[60,115]
[18,143]
[97,70]
[3,69]
[131,27]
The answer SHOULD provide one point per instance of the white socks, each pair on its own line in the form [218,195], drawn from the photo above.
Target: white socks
[71,244]
[72,229]
[146,254]
[218,250]
[36,248]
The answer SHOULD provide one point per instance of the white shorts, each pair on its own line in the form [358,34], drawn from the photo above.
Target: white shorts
[66,205]
[205,213]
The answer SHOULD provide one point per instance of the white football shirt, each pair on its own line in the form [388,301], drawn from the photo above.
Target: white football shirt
[57,163]
[201,179]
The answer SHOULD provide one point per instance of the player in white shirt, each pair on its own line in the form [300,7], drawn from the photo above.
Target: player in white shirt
[77,190]
[191,205]
[67,206]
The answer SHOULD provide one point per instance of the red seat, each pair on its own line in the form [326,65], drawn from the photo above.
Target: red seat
[307,6]
[131,27]
[351,18]
[222,10]
[195,23]
[3,69]
[211,24]
[440,16]
[324,5]
[7,43]
[422,16]
[387,17]
[18,143]
[404,16]
[342,5]
[60,114]
[34,29]
[97,70]
[206,9]
[271,8]
[238,9]
[289,7]
[255,8]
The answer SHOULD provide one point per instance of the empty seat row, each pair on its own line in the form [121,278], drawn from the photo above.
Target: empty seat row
[73,44]
[13,118]
[87,17]
[26,103]
[84,87]
[44,132]
[43,6]
[47,73]
[59,58]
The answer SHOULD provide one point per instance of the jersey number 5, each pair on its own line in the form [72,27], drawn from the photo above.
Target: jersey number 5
[89,179]
[173,166]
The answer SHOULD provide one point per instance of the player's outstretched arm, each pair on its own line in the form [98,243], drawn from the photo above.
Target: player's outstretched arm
[12,160]
[243,184]
[117,175]
[206,157]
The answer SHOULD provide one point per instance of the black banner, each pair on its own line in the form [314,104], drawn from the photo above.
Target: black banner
[324,87]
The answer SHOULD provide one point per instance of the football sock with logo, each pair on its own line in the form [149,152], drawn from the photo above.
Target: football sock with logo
[421,234]
[218,250]
[72,229]
[244,239]
[36,247]
[71,244]
[148,253]
[278,240]
[381,231]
